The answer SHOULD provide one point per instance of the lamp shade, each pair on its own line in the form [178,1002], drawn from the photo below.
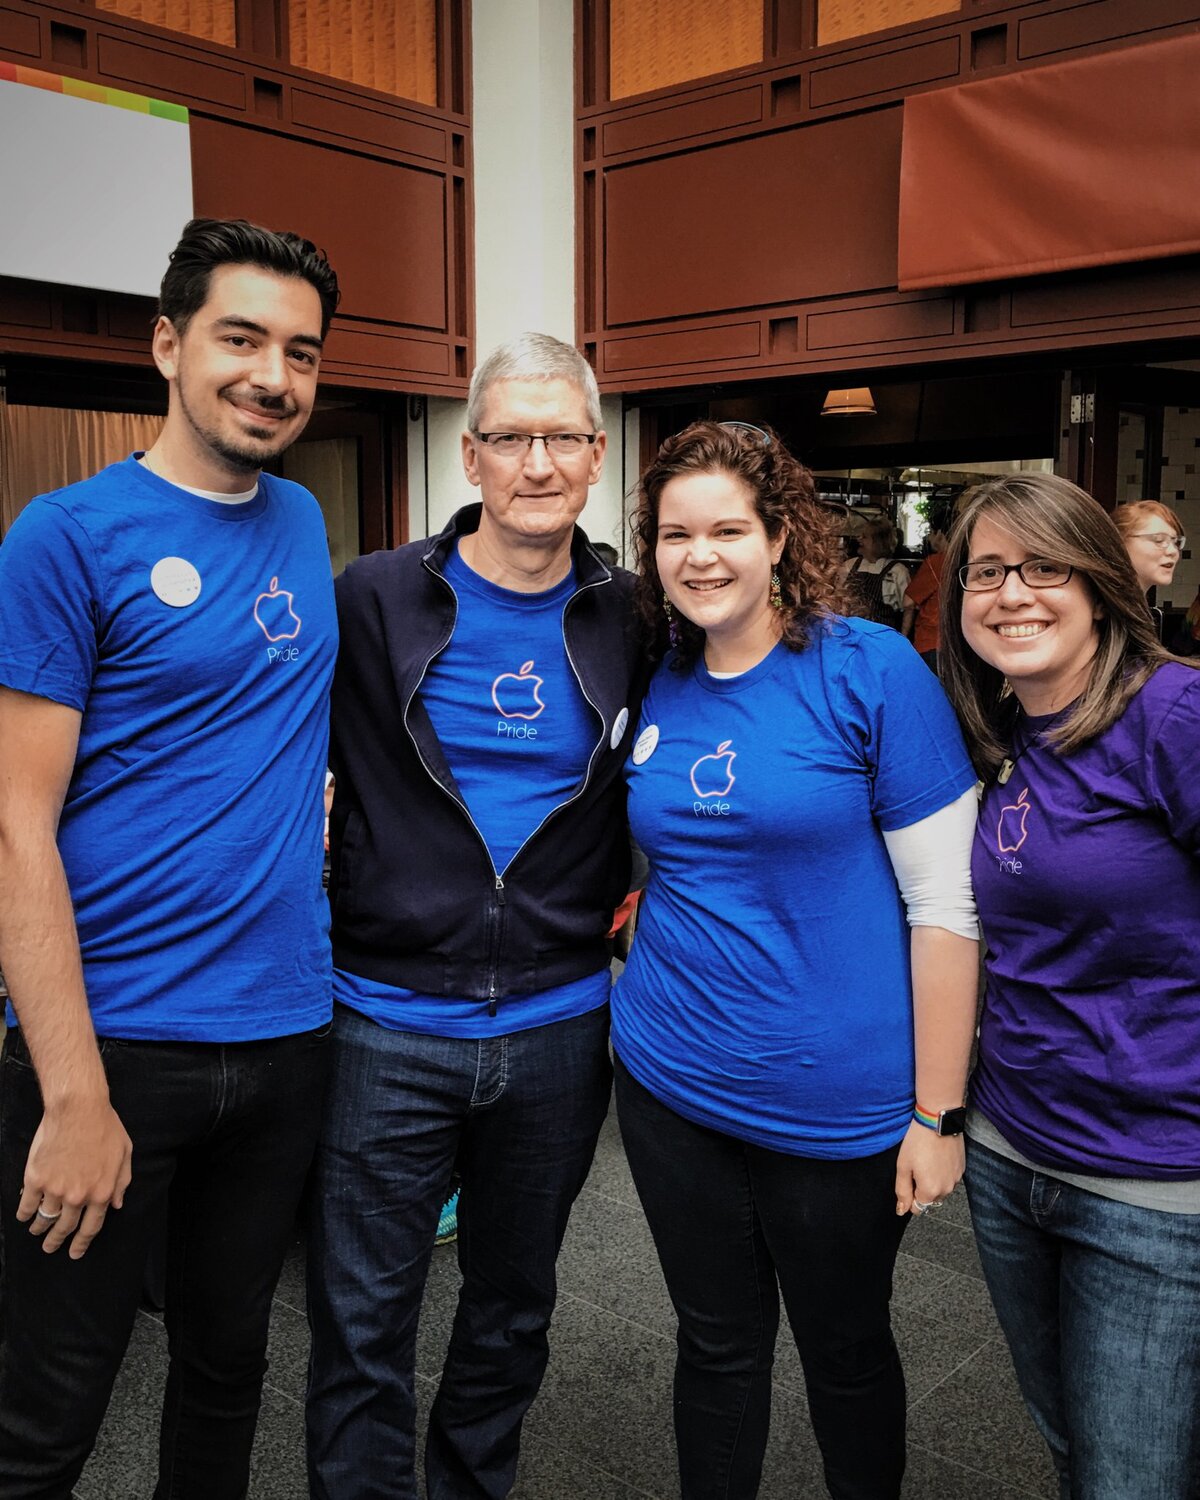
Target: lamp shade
[851,403]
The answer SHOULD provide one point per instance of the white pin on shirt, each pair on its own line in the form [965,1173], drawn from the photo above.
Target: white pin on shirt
[618,728]
[647,743]
[175,581]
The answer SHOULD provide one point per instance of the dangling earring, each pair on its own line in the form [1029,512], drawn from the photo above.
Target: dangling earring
[775,597]
[673,631]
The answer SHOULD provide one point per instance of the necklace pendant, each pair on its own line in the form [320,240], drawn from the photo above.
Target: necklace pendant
[1006,769]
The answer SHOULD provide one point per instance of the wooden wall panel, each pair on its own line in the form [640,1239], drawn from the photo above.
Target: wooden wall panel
[774,218]
[382,184]
[698,346]
[655,43]
[192,78]
[367,351]
[883,323]
[684,121]
[842,82]
[20,33]
[1040,36]
[382,224]
[724,235]
[355,123]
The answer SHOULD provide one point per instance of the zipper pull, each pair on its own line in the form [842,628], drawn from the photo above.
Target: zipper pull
[500,891]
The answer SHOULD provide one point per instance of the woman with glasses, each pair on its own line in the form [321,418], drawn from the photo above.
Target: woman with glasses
[1153,537]
[1084,1131]
[800,788]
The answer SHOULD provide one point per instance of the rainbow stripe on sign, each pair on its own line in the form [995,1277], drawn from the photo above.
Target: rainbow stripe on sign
[76,88]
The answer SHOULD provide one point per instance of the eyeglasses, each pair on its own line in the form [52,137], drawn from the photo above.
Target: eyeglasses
[1036,572]
[1165,541]
[748,427]
[518,444]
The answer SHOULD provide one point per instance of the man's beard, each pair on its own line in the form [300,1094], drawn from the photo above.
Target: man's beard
[262,444]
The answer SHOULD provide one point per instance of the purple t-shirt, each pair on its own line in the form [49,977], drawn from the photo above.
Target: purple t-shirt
[1087,875]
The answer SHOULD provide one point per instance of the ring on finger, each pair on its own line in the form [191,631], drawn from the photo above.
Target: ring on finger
[49,1218]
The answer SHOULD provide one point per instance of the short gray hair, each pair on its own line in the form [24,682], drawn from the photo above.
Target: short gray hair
[533,356]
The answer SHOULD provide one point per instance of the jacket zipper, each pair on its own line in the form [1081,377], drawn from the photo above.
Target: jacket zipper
[497,915]
[597,748]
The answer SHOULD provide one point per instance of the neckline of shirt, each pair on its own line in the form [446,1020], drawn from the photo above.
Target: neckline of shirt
[227,508]
[737,682]
[460,572]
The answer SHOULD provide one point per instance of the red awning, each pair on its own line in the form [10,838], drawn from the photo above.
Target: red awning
[1083,163]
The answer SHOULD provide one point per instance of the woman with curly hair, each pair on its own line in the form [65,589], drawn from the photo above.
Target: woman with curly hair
[793,1026]
[1084,1133]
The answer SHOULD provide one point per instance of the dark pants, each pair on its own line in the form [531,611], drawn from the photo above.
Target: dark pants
[735,1223]
[222,1137]
[518,1116]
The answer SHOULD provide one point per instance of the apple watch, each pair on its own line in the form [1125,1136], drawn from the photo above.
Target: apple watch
[944,1122]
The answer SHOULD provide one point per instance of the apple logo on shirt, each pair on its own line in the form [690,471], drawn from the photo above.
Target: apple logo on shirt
[712,778]
[516,694]
[1011,831]
[274,615]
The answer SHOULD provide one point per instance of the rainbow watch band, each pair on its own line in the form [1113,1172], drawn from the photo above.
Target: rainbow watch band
[925,1117]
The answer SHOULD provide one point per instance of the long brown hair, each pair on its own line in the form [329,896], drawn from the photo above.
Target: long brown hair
[1054,519]
[785,501]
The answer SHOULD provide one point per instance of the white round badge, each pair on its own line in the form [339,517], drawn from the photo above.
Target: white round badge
[647,743]
[175,581]
[618,729]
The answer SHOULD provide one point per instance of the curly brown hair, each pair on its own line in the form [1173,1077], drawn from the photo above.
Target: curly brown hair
[785,500]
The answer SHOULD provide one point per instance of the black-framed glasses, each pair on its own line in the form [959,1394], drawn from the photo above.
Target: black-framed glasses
[518,444]
[1035,572]
[764,437]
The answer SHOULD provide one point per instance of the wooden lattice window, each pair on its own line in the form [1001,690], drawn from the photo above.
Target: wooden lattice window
[382,44]
[655,43]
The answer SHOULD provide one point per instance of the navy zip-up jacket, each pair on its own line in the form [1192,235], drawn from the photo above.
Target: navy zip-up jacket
[416,902]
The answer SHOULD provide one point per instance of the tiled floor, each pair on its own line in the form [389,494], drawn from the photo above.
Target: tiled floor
[601,1427]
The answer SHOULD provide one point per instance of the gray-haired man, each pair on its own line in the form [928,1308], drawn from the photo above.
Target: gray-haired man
[482,710]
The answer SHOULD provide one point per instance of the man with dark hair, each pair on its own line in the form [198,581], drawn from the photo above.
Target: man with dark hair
[483,706]
[167,636]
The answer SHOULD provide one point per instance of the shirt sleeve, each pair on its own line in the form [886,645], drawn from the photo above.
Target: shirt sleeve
[901,725]
[1174,784]
[932,862]
[50,606]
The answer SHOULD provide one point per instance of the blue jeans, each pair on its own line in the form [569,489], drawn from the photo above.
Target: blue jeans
[1100,1304]
[518,1118]
[734,1224]
[223,1136]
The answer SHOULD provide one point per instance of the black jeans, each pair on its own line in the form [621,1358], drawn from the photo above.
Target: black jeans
[735,1223]
[222,1135]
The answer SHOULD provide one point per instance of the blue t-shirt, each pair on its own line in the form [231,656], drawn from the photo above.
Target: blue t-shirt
[197,639]
[768,994]
[518,734]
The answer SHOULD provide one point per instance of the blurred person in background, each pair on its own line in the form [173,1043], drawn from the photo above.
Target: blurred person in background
[922,598]
[875,582]
[1153,537]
